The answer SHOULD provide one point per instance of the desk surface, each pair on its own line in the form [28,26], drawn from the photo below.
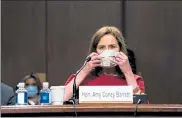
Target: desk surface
[104,108]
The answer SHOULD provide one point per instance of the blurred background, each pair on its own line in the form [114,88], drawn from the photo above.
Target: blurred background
[52,37]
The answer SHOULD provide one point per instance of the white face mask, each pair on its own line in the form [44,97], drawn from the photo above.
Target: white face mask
[106,58]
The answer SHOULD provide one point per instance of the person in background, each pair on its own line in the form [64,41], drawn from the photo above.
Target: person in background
[7,95]
[33,87]
[132,60]
[93,74]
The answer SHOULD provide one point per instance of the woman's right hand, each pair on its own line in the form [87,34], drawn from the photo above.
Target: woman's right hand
[94,62]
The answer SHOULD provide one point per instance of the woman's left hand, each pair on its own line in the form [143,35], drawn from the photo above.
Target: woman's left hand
[122,61]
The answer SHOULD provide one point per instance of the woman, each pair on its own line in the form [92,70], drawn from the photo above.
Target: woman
[33,87]
[106,38]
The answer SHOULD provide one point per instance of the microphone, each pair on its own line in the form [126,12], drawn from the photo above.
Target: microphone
[88,58]
[74,82]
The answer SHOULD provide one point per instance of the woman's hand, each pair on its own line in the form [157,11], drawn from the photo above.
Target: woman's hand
[94,62]
[122,61]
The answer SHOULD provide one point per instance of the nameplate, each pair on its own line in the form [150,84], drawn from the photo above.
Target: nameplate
[105,94]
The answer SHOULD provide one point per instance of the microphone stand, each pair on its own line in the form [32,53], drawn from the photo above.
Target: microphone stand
[74,82]
[73,100]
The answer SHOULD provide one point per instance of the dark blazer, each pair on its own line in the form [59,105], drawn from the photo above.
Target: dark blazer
[7,95]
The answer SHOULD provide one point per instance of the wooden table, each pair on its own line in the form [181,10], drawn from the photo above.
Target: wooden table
[109,109]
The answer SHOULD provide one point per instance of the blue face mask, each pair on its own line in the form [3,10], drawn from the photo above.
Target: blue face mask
[32,91]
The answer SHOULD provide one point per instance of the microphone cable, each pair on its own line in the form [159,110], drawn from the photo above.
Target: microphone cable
[74,108]
[136,110]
